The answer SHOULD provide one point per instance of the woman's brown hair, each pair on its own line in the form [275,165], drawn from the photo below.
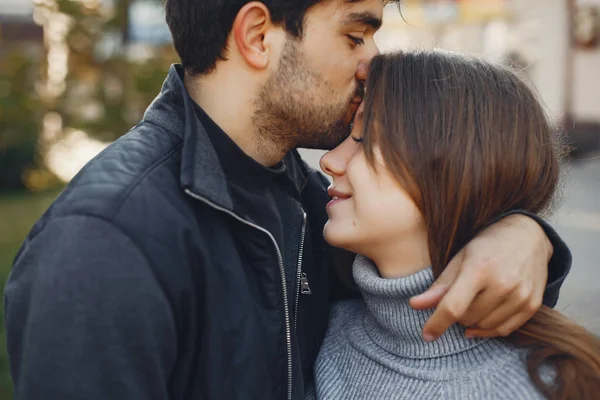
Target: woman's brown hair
[470,141]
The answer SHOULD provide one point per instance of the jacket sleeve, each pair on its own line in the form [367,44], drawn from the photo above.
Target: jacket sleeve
[560,262]
[86,318]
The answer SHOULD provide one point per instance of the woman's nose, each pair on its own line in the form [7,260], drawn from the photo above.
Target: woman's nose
[326,164]
[335,162]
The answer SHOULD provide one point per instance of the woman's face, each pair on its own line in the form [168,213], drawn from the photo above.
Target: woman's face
[370,212]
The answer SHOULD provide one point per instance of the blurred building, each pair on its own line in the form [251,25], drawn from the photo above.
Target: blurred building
[532,35]
[17,8]
[18,29]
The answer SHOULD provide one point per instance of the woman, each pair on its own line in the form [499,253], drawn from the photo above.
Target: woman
[447,144]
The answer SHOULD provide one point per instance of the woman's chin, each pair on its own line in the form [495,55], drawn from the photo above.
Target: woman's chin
[332,235]
[339,237]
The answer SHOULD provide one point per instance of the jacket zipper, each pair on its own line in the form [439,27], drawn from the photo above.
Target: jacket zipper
[301,278]
[288,330]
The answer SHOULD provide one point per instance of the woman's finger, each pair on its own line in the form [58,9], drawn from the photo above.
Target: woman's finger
[453,306]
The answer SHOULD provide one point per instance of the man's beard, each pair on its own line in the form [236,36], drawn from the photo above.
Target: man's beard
[297,108]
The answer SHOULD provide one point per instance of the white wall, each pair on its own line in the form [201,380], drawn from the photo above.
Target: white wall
[548,56]
[538,31]
[16,7]
[312,157]
[541,30]
[586,101]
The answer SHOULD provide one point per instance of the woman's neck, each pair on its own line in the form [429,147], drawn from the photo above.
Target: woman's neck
[401,257]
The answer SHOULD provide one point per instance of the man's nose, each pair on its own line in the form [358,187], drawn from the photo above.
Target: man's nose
[362,71]
[363,66]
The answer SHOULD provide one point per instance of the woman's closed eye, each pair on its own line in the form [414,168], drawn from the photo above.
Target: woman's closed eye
[357,139]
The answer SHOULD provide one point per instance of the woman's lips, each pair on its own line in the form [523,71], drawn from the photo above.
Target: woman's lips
[335,200]
[336,197]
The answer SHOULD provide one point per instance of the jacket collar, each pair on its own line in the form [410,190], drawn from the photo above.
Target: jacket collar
[201,171]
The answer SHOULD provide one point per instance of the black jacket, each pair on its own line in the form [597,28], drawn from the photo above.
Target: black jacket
[141,281]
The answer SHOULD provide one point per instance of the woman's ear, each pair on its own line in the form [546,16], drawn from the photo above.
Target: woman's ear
[250,27]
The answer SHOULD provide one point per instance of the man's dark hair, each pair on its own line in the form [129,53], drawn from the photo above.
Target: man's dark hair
[200,27]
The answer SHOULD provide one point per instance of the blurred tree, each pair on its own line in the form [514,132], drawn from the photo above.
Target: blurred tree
[92,77]
[108,84]
[19,117]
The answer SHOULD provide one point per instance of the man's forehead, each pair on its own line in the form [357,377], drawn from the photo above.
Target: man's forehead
[374,6]
[344,9]
[364,18]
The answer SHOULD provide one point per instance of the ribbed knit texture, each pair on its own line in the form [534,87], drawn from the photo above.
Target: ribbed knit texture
[374,350]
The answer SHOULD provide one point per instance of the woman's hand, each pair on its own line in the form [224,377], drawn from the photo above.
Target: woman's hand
[494,284]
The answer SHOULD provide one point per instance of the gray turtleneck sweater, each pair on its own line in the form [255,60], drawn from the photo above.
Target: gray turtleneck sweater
[374,350]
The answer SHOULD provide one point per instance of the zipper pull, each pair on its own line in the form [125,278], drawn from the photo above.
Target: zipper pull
[304,286]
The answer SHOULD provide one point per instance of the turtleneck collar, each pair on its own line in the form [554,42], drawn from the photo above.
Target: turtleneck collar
[393,324]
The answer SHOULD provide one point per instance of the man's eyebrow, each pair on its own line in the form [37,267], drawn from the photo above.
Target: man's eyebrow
[365,18]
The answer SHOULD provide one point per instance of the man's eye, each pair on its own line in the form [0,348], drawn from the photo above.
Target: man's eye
[357,140]
[356,40]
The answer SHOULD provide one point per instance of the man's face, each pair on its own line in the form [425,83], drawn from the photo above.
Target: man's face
[311,98]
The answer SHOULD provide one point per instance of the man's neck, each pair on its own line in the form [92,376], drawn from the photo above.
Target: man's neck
[229,103]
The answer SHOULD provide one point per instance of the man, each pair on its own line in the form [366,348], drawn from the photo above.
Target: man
[187,262]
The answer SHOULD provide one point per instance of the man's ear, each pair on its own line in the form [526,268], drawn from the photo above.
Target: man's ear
[250,27]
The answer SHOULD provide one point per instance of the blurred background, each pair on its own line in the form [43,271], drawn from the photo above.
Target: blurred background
[77,74]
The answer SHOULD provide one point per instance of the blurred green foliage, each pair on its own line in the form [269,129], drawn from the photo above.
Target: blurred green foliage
[109,83]
[20,112]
